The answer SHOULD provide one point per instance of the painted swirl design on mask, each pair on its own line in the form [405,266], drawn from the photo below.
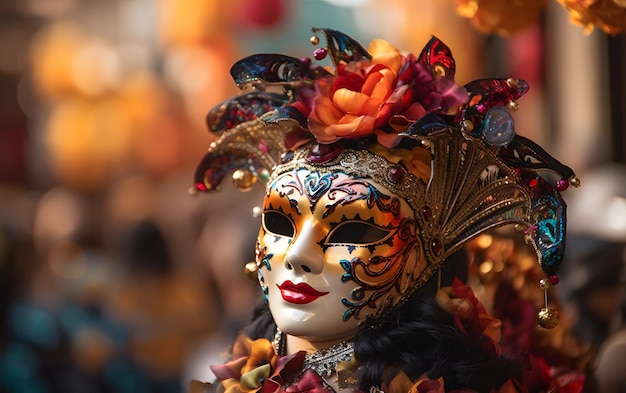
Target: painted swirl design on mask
[351,190]
[380,278]
[314,186]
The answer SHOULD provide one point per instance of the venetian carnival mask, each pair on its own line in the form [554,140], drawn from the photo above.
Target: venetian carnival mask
[376,172]
[333,246]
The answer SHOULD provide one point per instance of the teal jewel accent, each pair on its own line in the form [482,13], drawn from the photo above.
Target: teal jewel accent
[347,266]
[348,313]
[550,231]
[358,293]
[498,128]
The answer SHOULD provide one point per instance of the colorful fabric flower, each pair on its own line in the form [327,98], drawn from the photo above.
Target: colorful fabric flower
[255,367]
[470,315]
[310,382]
[380,96]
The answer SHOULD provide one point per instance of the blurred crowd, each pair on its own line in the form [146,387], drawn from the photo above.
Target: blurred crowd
[112,277]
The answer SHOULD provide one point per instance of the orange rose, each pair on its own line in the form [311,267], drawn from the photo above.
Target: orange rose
[380,96]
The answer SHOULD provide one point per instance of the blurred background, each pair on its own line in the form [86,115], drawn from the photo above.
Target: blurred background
[114,279]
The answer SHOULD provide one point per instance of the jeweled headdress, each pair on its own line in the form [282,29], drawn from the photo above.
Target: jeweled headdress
[372,114]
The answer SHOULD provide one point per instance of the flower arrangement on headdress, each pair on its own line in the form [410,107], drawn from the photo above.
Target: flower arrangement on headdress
[383,95]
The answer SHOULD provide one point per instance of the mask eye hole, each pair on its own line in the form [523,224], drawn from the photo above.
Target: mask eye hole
[278,223]
[356,232]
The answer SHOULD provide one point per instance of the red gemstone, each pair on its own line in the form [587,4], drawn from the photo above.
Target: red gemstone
[436,246]
[533,183]
[562,185]
[320,53]
[427,213]
[396,174]
[319,153]
[554,279]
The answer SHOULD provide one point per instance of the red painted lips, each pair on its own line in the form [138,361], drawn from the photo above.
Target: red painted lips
[298,293]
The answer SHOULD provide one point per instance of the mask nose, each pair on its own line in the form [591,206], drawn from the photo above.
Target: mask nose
[304,254]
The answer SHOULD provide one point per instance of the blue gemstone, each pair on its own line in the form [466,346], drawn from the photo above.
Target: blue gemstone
[498,127]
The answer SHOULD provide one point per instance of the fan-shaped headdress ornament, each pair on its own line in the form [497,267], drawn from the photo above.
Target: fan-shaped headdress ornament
[373,116]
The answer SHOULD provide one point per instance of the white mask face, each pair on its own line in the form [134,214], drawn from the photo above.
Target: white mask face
[334,250]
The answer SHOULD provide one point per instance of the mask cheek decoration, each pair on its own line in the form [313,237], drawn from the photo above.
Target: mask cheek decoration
[387,275]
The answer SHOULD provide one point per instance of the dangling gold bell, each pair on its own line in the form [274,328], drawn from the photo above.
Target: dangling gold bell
[548,318]
[243,179]
[251,270]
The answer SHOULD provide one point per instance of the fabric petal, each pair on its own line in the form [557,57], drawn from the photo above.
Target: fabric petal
[252,379]
[387,139]
[349,101]
[261,353]
[384,53]
[231,369]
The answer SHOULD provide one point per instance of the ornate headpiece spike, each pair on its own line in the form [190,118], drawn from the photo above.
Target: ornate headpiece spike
[380,106]
[341,47]
[439,56]
[271,69]
[245,142]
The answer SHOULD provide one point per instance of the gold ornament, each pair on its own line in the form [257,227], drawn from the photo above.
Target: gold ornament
[467,125]
[251,269]
[512,82]
[548,318]
[243,179]
[314,40]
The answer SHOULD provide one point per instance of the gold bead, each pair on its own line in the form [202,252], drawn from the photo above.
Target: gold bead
[574,182]
[193,191]
[243,179]
[512,82]
[467,125]
[513,105]
[314,40]
[548,318]
[251,270]
[544,283]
